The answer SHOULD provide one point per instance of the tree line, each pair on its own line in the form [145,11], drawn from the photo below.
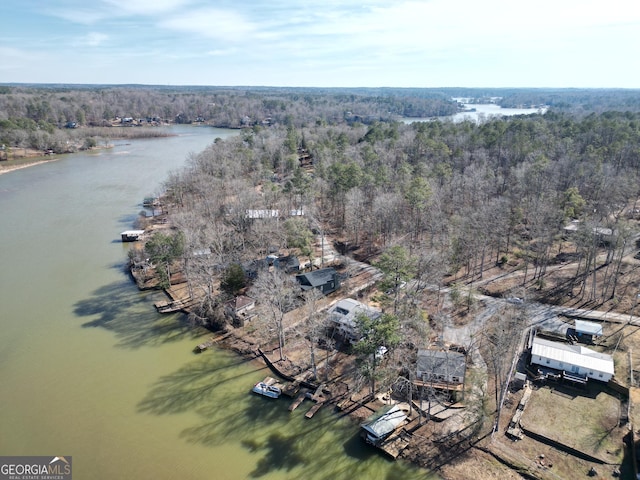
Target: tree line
[36,117]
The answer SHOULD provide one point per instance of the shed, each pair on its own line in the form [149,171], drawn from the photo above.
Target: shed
[443,367]
[382,423]
[587,330]
[574,360]
[326,280]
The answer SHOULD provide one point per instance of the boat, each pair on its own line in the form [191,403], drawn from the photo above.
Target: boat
[131,235]
[270,391]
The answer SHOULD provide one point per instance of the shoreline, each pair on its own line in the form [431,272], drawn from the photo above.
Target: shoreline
[12,168]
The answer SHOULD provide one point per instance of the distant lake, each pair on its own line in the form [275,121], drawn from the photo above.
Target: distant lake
[478,112]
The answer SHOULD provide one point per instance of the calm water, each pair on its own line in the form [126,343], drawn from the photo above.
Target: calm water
[88,369]
[483,111]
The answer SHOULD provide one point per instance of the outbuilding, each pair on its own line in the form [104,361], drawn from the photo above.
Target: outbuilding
[587,331]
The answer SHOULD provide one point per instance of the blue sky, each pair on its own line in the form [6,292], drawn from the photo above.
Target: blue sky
[329,43]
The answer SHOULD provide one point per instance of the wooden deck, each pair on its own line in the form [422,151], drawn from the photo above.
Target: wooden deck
[313,410]
[170,306]
[396,443]
[298,401]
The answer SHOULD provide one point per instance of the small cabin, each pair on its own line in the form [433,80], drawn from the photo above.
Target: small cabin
[239,310]
[131,235]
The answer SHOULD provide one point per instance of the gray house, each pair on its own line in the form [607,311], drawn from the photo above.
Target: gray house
[443,369]
[326,280]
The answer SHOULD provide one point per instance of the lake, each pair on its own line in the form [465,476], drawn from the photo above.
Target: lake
[483,111]
[90,370]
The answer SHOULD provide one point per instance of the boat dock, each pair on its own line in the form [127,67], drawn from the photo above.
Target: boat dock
[395,444]
[170,306]
[298,401]
[209,343]
[272,382]
[313,410]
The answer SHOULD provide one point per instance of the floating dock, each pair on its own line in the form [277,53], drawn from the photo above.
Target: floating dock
[209,343]
[204,345]
[297,402]
[170,306]
[395,444]
[313,410]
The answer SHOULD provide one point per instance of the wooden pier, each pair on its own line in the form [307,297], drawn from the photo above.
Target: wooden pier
[298,401]
[313,410]
[395,444]
[209,343]
[170,306]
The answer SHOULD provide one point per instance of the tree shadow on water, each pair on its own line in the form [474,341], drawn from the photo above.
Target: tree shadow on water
[194,387]
[129,314]
[281,453]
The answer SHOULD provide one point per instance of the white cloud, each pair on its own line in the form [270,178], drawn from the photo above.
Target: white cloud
[211,23]
[95,39]
[146,7]
[77,15]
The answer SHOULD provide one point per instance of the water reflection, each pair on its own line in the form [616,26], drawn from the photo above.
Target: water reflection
[121,309]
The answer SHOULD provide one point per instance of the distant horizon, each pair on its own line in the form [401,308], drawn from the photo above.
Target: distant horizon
[294,87]
[328,44]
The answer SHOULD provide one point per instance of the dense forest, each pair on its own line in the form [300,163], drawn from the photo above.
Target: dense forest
[36,116]
[460,198]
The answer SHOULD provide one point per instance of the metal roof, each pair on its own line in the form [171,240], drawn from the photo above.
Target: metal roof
[346,310]
[384,421]
[590,328]
[442,362]
[316,278]
[573,355]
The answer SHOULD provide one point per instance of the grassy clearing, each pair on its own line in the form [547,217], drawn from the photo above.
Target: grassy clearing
[584,420]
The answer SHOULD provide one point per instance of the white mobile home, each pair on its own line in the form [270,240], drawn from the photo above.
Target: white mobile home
[573,360]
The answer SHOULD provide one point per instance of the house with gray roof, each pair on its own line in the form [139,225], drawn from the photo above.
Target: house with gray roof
[326,280]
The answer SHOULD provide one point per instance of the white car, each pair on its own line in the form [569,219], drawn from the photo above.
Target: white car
[381,351]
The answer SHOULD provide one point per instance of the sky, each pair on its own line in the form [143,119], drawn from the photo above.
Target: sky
[328,43]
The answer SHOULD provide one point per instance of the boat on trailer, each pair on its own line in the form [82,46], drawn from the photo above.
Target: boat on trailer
[271,391]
